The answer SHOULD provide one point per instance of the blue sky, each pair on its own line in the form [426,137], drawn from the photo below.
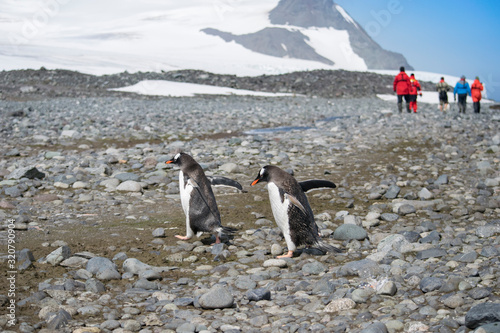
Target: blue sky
[460,37]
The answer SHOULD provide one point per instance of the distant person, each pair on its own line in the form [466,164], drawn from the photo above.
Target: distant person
[402,88]
[476,89]
[442,87]
[415,89]
[462,89]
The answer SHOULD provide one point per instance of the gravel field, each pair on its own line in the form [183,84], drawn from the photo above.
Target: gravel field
[92,210]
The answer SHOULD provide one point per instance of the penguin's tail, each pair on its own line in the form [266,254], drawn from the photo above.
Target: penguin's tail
[327,247]
[227,230]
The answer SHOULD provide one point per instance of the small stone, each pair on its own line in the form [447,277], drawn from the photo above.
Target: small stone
[51,154]
[98,264]
[146,284]
[57,256]
[80,184]
[259,294]
[387,288]
[389,217]
[392,192]
[129,186]
[454,301]
[482,314]
[432,237]
[159,232]
[26,172]
[152,319]
[150,275]
[406,209]
[110,324]
[61,185]
[60,320]
[6,205]
[131,325]
[70,134]
[74,262]
[134,266]
[352,219]
[349,232]
[276,250]
[468,257]
[83,274]
[443,179]
[281,263]
[125,176]
[376,327]
[479,293]
[361,295]
[108,274]
[428,284]
[314,268]
[431,253]
[338,305]
[230,168]
[217,298]
[94,285]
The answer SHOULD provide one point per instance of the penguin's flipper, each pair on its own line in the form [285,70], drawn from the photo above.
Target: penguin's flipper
[196,187]
[223,181]
[296,202]
[308,185]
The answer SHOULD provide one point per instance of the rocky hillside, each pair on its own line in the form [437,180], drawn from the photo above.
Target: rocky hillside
[35,84]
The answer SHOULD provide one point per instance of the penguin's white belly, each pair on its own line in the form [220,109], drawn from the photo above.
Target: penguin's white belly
[185,190]
[280,209]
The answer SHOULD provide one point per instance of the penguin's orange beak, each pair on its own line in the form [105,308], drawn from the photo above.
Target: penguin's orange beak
[255,181]
[169,161]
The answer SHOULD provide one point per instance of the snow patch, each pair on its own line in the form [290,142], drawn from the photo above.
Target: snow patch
[346,16]
[181,89]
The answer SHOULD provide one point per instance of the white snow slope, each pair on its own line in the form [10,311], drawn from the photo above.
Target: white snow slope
[112,36]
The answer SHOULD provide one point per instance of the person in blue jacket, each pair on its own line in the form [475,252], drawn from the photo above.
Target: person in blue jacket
[462,89]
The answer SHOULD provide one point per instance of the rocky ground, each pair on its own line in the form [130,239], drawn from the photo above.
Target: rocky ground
[91,209]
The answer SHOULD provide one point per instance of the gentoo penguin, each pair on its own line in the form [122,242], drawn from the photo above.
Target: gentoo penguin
[198,200]
[291,210]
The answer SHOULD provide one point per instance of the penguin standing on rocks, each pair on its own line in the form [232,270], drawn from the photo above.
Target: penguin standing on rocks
[198,200]
[291,210]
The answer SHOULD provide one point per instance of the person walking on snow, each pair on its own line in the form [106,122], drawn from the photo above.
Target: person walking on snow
[401,86]
[462,89]
[476,89]
[442,87]
[415,89]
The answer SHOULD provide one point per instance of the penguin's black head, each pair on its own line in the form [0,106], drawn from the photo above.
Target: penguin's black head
[177,159]
[262,176]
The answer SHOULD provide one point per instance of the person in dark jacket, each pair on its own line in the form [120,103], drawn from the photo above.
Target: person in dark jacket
[476,95]
[402,86]
[462,89]
[442,87]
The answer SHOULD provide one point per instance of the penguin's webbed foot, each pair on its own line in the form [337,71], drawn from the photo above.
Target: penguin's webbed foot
[182,237]
[217,240]
[288,255]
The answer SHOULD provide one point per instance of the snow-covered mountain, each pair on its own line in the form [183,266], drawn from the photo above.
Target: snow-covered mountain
[242,37]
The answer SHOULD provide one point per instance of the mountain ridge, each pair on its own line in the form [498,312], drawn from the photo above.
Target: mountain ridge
[245,38]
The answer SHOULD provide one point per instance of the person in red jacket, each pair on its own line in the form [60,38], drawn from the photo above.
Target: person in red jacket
[402,88]
[476,95]
[415,89]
